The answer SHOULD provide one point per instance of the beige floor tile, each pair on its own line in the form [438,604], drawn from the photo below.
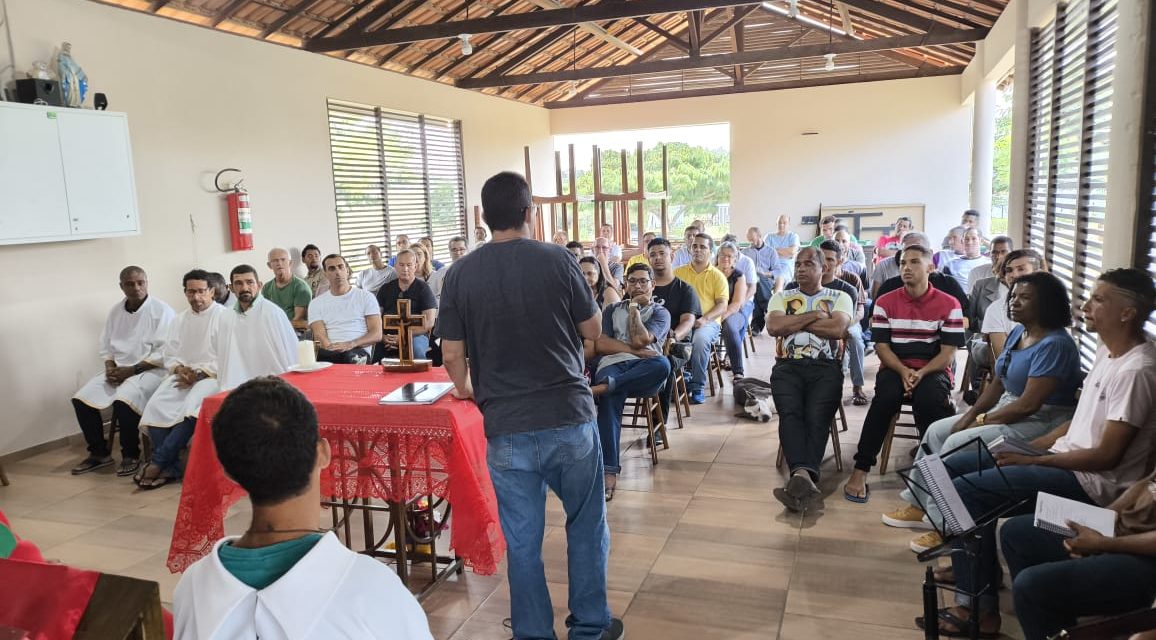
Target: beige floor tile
[739,481]
[681,477]
[796,627]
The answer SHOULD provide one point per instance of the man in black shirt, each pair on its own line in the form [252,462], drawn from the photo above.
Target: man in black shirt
[521,309]
[680,301]
[422,301]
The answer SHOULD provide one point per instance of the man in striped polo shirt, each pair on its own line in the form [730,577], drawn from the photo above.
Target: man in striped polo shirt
[916,331]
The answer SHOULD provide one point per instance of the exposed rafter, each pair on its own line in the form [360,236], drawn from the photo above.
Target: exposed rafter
[905,18]
[531,20]
[227,12]
[746,57]
[762,86]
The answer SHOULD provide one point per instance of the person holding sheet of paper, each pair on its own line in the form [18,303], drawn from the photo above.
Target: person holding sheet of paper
[1056,580]
[1093,458]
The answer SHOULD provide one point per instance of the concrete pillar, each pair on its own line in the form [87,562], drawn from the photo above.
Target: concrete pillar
[1021,104]
[1126,136]
[982,148]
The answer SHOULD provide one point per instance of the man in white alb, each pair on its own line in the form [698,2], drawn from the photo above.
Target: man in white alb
[190,357]
[345,320]
[255,338]
[131,346]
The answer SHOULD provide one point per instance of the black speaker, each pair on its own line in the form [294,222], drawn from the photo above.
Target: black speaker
[34,91]
[100,101]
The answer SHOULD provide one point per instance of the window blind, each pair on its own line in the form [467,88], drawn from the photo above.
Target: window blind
[1145,249]
[395,173]
[1072,63]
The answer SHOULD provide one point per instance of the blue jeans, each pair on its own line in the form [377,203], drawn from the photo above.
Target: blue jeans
[700,348]
[420,346]
[734,330]
[855,353]
[983,490]
[168,443]
[642,377]
[1051,589]
[568,460]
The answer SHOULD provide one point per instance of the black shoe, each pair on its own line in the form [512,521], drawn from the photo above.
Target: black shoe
[128,466]
[92,463]
[615,631]
[800,494]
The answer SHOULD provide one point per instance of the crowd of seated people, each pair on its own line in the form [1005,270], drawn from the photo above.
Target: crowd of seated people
[667,307]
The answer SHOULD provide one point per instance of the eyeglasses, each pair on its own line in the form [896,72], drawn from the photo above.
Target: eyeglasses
[637,280]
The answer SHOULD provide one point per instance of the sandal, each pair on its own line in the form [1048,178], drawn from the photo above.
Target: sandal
[608,490]
[142,477]
[860,400]
[962,627]
[155,483]
[856,498]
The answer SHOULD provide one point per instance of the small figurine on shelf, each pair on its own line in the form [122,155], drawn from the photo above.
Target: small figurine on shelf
[73,81]
[41,71]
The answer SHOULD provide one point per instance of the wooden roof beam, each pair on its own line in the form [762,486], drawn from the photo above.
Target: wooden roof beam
[761,86]
[730,59]
[600,12]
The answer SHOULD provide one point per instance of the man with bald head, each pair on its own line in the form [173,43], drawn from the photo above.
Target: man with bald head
[131,347]
[286,290]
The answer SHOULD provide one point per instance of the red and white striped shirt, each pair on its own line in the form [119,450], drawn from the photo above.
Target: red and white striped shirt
[915,328]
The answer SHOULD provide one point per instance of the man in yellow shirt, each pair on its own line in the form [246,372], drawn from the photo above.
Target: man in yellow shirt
[713,296]
[641,257]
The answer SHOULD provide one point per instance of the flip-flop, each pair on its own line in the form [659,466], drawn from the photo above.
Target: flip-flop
[962,627]
[858,499]
[156,483]
[860,400]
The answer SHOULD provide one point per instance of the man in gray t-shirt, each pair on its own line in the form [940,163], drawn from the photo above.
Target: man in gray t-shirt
[520,310]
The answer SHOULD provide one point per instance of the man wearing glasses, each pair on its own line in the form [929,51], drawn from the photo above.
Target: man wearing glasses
[631,362]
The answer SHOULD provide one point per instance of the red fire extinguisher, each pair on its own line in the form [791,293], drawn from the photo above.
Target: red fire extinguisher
[240,218]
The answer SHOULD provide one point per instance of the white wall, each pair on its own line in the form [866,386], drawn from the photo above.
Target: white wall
[896,142]
[198,101]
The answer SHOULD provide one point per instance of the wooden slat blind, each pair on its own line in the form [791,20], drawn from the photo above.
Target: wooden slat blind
[395,173]
[1072,63]
[1145,249]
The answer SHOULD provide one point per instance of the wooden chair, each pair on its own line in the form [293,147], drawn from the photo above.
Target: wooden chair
[714,367]
[836,446]
[679,396]
[892,433]
[648,408]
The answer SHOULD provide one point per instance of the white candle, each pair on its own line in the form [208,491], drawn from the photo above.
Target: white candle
[306,356]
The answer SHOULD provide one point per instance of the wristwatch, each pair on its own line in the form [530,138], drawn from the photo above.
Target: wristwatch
[979,419]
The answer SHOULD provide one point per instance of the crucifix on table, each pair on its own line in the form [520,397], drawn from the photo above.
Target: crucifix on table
[402,322]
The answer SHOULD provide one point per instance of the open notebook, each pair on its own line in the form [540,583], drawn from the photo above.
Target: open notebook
[956,518]
[1012,444]
[1053,513]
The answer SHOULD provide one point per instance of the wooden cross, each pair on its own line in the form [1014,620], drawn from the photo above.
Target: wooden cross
[402,323]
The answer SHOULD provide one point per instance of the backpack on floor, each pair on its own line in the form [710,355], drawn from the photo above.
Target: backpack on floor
[754,398]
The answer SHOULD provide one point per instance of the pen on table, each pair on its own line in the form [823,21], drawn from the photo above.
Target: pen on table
[417,391]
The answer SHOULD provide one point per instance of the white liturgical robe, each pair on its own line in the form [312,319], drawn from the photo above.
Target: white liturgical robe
[128,339]
[192,342]
[330,594]
[257,342]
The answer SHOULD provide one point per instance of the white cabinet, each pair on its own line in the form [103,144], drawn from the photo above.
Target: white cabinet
[65,174]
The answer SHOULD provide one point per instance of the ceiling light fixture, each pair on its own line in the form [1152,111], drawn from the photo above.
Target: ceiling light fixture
[830,66]
[793,9]
[467,48]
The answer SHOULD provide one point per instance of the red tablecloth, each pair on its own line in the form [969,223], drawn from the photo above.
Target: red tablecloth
[441,449]
[47,600]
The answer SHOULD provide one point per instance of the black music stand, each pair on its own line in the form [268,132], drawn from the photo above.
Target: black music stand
[970,537]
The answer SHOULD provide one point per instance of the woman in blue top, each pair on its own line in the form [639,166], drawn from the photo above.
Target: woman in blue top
[1034,392]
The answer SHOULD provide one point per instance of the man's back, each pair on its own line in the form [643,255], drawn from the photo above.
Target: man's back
[516,304]
[330,593]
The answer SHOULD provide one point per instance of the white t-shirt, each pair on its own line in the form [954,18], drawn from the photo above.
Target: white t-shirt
[372,278]
[995,319]
[344,316]
[1119,389]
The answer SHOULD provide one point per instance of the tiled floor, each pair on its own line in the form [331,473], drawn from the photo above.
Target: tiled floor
[700,548]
